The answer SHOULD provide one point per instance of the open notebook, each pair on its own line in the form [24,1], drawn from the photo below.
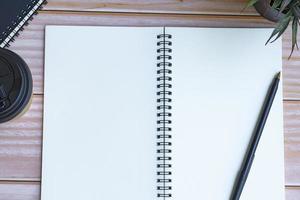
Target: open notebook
[158,113]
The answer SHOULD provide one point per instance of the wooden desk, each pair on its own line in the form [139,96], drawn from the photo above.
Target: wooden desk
[20,140]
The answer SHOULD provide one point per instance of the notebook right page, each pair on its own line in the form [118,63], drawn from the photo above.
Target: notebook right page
[220,79]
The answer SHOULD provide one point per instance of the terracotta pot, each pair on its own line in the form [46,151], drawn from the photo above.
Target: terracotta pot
[264,8]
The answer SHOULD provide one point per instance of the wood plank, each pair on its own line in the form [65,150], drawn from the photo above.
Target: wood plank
[19,191]
[20,149]
[292,193]
[22,137]
[20,145]
[292,142]
[228,7]
[31,191]
[291,70]
[30,44]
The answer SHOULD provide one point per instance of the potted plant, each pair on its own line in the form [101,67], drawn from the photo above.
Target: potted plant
[283,12]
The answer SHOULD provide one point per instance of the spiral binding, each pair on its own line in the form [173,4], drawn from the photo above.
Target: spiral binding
[21,20]
[164,114]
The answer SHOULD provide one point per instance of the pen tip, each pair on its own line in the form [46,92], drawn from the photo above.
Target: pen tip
[278,75]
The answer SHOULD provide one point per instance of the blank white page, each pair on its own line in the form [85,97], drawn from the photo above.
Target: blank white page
[99,113]
[220,79]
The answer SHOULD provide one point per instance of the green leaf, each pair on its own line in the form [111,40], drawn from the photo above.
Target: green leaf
[284,4]
[295,9]
[281,31]
[294,34]
[281,27]
[276,3]
[251,3]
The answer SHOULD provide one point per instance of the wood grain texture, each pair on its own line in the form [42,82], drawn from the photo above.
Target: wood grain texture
[31,191]
[20,145]
[19,191]
[291,68]
[228,7]
[30,44]
[20,148]
[292,142]
[292,193]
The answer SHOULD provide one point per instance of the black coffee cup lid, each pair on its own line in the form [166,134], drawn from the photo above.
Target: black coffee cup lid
[15,85]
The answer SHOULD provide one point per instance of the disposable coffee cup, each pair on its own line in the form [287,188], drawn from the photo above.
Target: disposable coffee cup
[15,86]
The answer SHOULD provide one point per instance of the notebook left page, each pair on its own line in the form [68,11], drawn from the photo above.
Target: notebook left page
[99,113]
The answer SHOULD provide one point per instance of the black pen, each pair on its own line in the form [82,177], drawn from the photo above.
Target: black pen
[249,157]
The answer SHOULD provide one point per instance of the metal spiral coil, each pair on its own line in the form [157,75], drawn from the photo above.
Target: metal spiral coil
[21,21]
[164,114]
